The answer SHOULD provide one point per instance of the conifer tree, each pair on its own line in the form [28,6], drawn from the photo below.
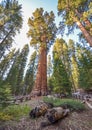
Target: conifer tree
[6,63]
[84,56]
[42,30]
[76,14]
[16,73]
[60,76]
[30,73]
[10,23]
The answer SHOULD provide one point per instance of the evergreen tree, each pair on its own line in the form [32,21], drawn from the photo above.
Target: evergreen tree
[60,77]
[42,30]
[76,14]
[13,73]
[30,74]
[74,71]
[85,67]
[6,63]
[16,73]
[22,59]
[10,23]
[5,95]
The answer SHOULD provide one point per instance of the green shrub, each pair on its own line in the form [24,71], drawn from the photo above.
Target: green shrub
[5,117]
[5,95]
[14,112]
[70,103]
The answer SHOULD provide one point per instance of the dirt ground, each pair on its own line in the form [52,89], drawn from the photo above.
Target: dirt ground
[75,121]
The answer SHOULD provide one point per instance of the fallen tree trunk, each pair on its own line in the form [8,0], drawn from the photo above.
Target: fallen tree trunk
[40,110]
[55,114]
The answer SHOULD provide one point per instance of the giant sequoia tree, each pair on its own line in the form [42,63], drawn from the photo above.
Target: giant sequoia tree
[77,13]
[42,30]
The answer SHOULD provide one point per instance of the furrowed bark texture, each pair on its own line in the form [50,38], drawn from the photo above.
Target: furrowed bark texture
[40,87]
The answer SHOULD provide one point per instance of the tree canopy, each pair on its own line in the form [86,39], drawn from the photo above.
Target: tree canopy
[42,27]
[10,23]
[76,14]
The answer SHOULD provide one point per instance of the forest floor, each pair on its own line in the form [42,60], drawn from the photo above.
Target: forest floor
[75,120]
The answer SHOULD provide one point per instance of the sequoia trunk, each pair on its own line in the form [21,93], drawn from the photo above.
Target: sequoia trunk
[40,87]
[36,89]
[44,72]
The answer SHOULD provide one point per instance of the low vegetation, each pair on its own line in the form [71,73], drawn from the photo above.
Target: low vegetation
[14,112]
[72,104]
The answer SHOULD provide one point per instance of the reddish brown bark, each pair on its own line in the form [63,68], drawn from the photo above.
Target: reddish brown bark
[36,89]
[86,21]
[40,87]
[44,72]
[87,36]
[85,32]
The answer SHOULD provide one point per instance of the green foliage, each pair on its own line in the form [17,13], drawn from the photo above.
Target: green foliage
[60,77]
[42,27]
[74,105]
[30,73]
[13,72]
[74,12]
[22,59]
[16,73]
[85,67]
[14,112]
[6,63]
[10,23]
[73,64]
[5,95]
[5,117]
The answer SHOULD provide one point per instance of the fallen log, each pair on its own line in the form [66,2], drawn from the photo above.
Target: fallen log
[40,110]
[55,114]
